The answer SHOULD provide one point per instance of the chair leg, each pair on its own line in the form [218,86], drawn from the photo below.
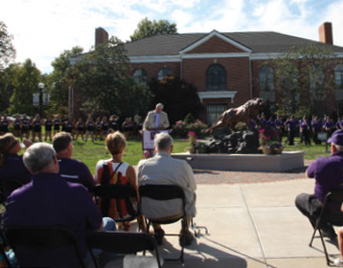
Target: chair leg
[328,261]
[96,263]
[312,238]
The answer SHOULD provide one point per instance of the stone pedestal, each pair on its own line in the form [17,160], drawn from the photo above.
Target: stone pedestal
[245,162]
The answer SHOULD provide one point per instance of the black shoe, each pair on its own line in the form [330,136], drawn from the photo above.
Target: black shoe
[159,234]
[186,240]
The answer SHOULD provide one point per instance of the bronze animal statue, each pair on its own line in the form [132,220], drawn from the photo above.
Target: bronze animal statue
[243,113]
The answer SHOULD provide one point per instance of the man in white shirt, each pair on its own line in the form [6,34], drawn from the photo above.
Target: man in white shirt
[163,169]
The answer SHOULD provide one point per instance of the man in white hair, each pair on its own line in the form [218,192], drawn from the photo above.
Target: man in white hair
[156,119]
[163,169]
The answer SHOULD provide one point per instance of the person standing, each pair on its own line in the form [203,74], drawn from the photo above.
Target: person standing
[25,126]
[37,128]
[305,130]
[291,126]
[327,172]
[17,124]
[156,119]
[48,127]
[90,126]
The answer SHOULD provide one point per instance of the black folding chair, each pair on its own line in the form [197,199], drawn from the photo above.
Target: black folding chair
[332,214]
[42,237]
[164,193]
[122,243]
[118,192]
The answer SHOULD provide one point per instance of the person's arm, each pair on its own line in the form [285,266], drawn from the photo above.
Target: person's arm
[131,177]
[166,123]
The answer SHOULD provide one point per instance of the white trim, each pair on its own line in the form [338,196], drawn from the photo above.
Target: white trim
[265,56]
[219,35]
[274,55]
[149,59]
[216,95]
[215,55]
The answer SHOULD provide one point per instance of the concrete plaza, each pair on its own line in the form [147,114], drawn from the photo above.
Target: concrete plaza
[252,222]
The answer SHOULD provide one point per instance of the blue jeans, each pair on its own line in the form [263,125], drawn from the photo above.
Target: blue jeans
[108,225]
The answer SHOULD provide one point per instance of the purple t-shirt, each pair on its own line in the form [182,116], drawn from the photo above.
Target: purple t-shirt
[15,170]
[76,172]
[292,125]
[328,173]
[50,200]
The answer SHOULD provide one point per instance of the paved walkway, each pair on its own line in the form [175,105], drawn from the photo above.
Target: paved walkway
[252,222]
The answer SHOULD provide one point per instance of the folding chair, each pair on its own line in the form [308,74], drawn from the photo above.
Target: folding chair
[118,192]
[164,193]
[122,243]
[39,238]
[331,213]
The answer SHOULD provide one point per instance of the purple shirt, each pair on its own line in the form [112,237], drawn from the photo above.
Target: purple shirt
[49,200]
[76,172]
[15,170]
[304,125]
[328,173]
[292,124]
[279,123]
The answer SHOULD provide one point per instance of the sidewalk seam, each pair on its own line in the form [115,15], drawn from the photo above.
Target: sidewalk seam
[255,227]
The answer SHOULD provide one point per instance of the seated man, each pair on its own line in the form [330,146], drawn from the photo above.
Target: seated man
[50,200]
[327,171]
[163,169]
[70,169]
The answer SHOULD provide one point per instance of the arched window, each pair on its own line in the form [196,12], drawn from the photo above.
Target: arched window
[164,73]
[339,87]
[266,82]
[216,78]
[140,76]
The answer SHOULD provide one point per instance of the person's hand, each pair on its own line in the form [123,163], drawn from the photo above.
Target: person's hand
[27,143]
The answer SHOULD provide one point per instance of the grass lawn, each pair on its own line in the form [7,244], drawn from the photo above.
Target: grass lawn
[90,153]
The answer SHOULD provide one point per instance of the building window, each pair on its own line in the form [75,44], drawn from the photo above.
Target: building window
[266,81]
[214,111]
[317,89]
[339,88]
[216,78]
[140,76]
[164,74]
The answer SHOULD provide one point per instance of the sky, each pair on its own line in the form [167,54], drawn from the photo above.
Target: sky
[43,29]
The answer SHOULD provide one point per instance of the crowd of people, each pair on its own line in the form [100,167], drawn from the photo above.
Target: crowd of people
[307,129]
[30,127]
[52,189]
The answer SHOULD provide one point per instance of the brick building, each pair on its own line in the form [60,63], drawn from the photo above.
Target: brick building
[226,68]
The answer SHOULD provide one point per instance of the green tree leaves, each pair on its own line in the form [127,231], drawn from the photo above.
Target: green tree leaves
[147,28]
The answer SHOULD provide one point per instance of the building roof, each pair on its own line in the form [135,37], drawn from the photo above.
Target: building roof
[257,42]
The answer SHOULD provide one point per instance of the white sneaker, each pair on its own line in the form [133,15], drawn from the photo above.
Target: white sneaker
[338,261]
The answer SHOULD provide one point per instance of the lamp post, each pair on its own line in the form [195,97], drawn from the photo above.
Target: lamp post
[40,87]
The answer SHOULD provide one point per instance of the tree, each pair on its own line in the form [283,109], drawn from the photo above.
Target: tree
[104,78]
[305,72]
[178,97]
[147,28]
[59,80]
[24,79]
[7,51]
